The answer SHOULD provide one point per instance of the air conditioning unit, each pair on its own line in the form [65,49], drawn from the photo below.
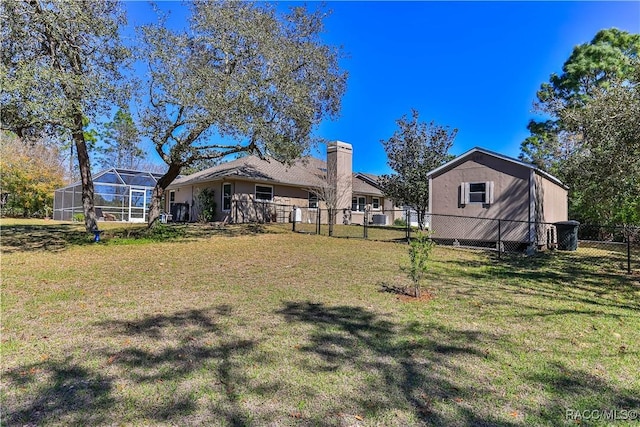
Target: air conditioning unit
[379,219]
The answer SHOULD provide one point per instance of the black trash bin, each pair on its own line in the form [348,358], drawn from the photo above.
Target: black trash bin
[567,235]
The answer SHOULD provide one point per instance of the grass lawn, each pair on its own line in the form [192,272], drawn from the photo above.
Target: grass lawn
[255,325]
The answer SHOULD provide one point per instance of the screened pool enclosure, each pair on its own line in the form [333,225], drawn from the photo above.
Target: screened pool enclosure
[120,195]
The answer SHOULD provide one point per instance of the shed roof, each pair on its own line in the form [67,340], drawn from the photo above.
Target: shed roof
[463,157]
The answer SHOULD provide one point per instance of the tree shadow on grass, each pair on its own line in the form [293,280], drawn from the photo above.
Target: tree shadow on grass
[185,347]
[567,277]
[162,353]
[414,374]
[439,373]
[63,391]
[569,391]
[59,237]
[27,238]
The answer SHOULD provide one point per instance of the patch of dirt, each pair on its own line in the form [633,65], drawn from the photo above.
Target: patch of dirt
[424,297]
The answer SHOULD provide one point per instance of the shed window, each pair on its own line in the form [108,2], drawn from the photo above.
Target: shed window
[264,192]
[476,192]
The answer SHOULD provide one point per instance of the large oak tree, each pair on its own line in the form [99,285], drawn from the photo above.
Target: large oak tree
[60,65]
[243,78]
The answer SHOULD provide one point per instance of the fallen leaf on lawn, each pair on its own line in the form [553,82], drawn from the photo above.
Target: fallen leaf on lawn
[359,418]
[514,414]
[296,415]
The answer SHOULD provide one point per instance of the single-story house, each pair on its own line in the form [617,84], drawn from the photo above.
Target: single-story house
[251,189]
[486,185]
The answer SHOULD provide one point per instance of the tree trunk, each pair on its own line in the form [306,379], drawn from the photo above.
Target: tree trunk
[158,192]
[90,220]
[422,213]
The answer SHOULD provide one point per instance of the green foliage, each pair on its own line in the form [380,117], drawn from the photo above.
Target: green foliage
[61,65]
[420,249]
[207,201]
[412,152]
[30,174]
[158,233]
[608,161]
[121,141]
[244,76]
[199,165]
[79,217]
[59,58]
[400,222]
[591,140]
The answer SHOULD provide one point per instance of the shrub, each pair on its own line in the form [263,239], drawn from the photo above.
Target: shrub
[400,222]
[419,251]
[206,199]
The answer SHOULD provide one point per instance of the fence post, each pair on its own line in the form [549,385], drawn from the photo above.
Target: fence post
[628,252]
[294,212]
[408,224]
[318,221]
[499,238]
[366,224]
[330,221]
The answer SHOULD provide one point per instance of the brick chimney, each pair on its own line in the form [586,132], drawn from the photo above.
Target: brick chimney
[339,171]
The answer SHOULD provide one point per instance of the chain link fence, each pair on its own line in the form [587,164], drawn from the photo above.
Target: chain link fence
[616,246]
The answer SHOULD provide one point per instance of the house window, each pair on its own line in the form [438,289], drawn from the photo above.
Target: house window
[226,196]
[264,192]
[375,203]
[172,199]
[477,192]
[358,203]
[313,201]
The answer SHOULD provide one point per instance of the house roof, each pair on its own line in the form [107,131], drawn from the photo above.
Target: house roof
[365,184]
[306,172]
[464,156]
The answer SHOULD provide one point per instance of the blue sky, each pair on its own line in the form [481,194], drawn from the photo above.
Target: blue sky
[474,66]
